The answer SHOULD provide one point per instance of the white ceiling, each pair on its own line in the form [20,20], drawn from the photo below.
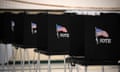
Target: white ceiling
[60,4]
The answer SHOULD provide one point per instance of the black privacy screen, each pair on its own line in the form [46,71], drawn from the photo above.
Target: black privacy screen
[42,29]
[77,28]
[7,27]
[30,32]
[109,41]
[19,28]
[26,30]
[53,33]
[92,51]
[106,36]
[1,26]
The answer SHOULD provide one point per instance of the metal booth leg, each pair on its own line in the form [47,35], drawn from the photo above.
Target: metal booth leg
[102,68]
[64,63]
[85,68]
[7,57]
[14,60]
[77,68]
[22,60]
[35,64]
[49,64]
[71,67]
[118,68]
[28,59]
[3,58]
[39,62]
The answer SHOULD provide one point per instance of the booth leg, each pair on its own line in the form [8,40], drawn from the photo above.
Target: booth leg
[49,64]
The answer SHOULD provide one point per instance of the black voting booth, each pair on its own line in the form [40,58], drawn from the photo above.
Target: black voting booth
[83,37]
[6,33]
[94,40]
[25,34]
[107,47]
[53,34]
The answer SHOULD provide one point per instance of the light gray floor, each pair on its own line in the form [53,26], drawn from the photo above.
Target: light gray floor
[57,68]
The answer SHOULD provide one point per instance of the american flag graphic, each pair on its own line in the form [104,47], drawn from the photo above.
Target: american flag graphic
[60,28]
[100,32]
[34,26]
[12,25]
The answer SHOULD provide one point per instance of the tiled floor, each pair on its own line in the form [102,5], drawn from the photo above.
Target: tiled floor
[57,68]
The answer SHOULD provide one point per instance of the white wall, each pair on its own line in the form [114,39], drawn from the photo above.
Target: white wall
[59,4]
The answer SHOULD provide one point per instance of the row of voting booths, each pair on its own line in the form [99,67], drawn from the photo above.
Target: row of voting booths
[94,37]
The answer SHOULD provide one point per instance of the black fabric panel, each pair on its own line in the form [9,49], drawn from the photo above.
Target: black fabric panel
[1,27]
[92,52]
[8,33]
[25,35]
[102,50]
[47,34]
[110,23]
[19,28]
[42,38]
[58,43]
[77,35]
[30,30]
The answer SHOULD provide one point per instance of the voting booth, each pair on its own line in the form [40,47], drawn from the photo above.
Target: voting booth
[107,37]
[6,36]
[53,34]
[95,37]
[94,40]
